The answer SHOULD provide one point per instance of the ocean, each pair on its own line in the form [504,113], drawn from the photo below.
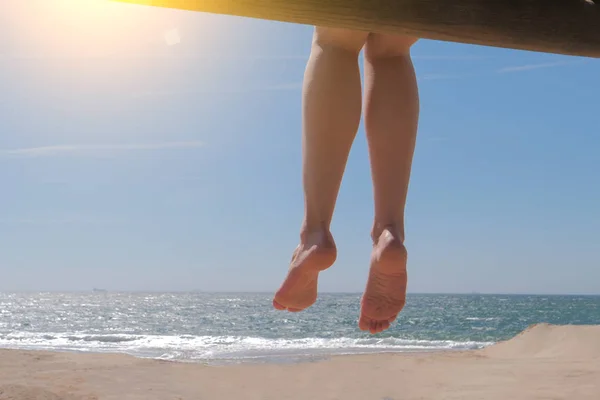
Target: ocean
[221,328]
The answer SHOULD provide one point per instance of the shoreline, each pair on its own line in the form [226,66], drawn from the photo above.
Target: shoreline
[227,349]
[544,362]
[278,359]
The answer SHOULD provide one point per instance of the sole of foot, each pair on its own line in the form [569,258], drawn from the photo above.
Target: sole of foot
[299,289]
[385,294]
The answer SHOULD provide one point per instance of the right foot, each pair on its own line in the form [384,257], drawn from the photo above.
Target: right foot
[385,294]
[299,289]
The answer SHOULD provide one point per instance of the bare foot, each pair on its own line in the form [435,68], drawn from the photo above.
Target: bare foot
[385,294]
[299,289]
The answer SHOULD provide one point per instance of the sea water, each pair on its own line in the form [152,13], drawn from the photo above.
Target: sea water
[243,327]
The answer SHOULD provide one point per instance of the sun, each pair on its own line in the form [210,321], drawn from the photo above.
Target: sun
[89,27]
[84,10]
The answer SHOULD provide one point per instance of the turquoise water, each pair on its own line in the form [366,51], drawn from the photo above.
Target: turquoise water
[237,327]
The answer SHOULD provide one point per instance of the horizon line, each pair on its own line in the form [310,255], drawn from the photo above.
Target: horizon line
[472,293]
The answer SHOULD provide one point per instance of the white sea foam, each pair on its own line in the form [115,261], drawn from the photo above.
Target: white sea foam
[191,348]
[480,319]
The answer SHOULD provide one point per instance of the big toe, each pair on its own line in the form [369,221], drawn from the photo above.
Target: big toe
[364,323]
[278,306]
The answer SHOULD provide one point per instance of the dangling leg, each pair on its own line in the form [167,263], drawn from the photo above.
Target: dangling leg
[331,115]
[391,118]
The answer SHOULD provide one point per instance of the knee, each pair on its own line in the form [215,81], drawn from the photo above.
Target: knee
[386,46]
[339,39]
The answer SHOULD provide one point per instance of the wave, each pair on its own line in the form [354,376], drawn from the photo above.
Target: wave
[480,319]
[188,347]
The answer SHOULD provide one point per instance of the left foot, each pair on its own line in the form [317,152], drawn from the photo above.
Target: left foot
[385,294]
[299,289]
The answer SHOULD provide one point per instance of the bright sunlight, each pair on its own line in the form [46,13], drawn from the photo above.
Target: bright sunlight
[87,28]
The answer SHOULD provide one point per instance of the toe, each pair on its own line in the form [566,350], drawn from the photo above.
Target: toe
[373,327]
[277,305]
[364,323]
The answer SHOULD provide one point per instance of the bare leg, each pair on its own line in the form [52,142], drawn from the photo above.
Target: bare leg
[391,118]
[331,115]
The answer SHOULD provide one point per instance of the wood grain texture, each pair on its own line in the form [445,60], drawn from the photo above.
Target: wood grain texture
[569,27]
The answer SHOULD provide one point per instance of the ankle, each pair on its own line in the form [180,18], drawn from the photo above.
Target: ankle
[317,235]
[395,229]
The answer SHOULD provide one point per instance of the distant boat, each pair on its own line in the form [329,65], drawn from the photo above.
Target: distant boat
[99,290]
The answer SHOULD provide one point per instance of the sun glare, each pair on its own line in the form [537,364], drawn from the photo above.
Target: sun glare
[87,16]
[89,27]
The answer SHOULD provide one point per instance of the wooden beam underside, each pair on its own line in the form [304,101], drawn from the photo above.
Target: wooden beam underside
[570,27]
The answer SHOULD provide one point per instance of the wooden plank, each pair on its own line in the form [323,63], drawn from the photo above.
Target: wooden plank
[569,27]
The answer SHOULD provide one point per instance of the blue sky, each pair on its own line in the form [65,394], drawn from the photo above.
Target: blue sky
[153,149]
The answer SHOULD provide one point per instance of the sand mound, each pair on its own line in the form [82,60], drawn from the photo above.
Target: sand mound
[555,341]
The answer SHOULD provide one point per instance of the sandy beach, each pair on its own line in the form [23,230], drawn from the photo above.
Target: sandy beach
[544,362]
